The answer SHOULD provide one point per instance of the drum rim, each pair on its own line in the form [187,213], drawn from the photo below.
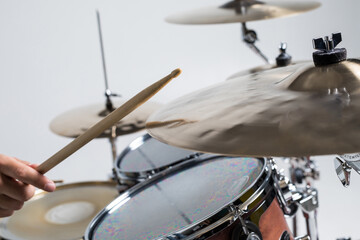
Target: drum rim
[142,175]
[220,218]
[39,194]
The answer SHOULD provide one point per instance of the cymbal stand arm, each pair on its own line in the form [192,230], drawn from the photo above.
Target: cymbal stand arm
[250,37]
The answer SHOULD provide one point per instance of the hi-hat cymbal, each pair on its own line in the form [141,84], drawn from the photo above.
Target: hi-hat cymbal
[310,111]
[243,11]
[63,214]
[76,121]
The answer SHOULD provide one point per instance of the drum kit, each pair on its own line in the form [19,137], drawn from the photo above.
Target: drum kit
[206,169]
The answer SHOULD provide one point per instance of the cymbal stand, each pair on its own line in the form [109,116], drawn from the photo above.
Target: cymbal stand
[250,37]
[305,169]
[108,93]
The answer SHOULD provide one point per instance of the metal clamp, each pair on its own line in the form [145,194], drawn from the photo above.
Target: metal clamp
[343,166]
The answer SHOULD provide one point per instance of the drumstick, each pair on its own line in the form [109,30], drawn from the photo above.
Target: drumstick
[106,123]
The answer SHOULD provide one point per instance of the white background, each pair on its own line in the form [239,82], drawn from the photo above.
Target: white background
[50,62]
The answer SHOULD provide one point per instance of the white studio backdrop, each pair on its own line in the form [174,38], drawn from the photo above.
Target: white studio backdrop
[50,62]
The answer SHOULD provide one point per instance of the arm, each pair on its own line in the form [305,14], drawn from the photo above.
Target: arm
[17,184]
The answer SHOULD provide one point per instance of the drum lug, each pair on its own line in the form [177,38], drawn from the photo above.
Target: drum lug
[246,230]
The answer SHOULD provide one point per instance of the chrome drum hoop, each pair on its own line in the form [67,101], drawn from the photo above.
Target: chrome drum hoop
[132,177]
[261,193]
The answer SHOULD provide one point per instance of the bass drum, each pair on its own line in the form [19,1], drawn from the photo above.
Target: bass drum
[62,214]
[145,157]
[209,197]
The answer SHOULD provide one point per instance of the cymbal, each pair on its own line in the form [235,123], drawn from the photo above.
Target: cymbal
[243,11]
[310,111]
[63,214]
[76,121]
[260,69]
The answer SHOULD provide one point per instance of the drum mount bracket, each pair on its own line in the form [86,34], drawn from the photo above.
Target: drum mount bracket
[343,166]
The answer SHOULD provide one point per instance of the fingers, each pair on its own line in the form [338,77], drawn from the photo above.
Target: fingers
[5,212]
[10,204]
[15,189]
[18,170]
[13,194]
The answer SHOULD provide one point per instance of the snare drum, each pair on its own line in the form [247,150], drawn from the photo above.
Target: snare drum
[145,157]
[209,197]
[62,214]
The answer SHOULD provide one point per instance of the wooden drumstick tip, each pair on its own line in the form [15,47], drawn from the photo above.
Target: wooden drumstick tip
[176,73]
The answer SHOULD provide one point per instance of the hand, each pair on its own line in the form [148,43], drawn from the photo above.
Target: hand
[17,181]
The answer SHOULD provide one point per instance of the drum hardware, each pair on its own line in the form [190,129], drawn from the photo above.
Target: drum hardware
[249,38]
[327,53]
[284,59]
[343,166]
[246,230]
[293,196]
[307,199]
[108,92]
[303,238]
[145,157]
[302,168]
[179,186]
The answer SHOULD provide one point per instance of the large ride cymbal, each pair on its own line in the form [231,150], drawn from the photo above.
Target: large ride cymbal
[299,110]
[76,121]
[243,11]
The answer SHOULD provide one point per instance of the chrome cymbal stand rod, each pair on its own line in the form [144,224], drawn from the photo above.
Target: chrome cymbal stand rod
[108,93]
[250,37]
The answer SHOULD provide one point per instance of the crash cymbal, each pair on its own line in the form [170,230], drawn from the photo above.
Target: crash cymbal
[242,11]
[76,121]
[310,111]
[63,214]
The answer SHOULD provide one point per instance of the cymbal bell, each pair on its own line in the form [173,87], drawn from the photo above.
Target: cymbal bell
[243,11]
[299,110]
[76,121]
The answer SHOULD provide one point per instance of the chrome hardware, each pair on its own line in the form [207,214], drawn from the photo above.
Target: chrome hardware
[309,200]
[303,168]
[306,237]
[343,171]
[253,236]
[326,43]
[283,59]
[285,236]
[250,37]
[353,160]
